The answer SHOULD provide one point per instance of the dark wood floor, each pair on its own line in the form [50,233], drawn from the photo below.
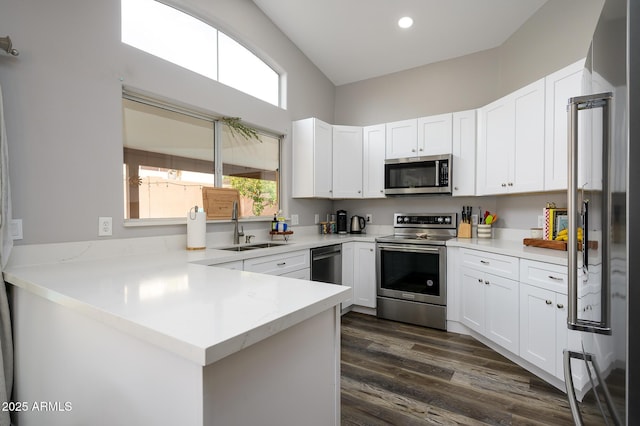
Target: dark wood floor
[399,374]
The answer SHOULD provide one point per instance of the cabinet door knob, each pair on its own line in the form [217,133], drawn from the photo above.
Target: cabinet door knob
[560,306]
[455,187]
[359,191]
[504,185]
[413,150]
[421,149]
[548,302]
[486,282]
[480,280]
[510,183]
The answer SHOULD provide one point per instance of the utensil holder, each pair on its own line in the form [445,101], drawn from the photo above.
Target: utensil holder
[484,231]
[464,230]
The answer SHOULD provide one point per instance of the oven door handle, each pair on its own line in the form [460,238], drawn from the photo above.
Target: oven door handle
[409,248]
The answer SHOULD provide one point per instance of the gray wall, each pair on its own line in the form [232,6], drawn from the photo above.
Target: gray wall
[558,34]
[62,99]
[62,103]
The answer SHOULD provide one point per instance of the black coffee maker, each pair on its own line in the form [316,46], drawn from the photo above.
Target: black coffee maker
[341,222]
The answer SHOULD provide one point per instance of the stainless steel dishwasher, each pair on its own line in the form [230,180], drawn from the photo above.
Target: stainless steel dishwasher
[326,264]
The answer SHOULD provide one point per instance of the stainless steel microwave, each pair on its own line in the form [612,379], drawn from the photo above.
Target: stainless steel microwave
[418,175]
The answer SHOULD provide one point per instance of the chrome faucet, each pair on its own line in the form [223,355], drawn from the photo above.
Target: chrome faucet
[234,217]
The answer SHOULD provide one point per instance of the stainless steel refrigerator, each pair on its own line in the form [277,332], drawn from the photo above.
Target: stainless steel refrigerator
[596,359]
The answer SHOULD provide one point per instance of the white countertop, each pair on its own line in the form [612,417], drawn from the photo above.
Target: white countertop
[169,297]
[511,248]
[155,290]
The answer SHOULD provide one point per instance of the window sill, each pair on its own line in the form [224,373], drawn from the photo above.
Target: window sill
[135,223]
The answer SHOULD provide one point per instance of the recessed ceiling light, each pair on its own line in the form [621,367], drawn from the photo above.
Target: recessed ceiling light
[405,22]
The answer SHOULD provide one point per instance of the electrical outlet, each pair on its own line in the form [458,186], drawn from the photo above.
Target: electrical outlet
[540,221]
[474,219]
[316,219]
[105,226]
[369,218]
[16,229]
[294,219]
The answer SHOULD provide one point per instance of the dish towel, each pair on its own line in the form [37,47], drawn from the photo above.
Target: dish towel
[6,243]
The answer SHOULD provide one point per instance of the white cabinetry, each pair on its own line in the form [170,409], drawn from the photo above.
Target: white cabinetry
[348,260]
[511,143]
[280,264]
[490,296]
[236,265]
[464,153]
[312,159]
[435,134]
[543,315]
[559,87]
[402,139]
[347,162]
[374,138]
[358,271]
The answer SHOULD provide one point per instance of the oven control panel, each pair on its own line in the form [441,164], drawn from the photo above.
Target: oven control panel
[435,220]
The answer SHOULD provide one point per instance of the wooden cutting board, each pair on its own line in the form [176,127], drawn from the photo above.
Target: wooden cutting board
[555,245]
[218,202]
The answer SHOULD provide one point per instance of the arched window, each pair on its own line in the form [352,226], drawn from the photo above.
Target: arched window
[184,40]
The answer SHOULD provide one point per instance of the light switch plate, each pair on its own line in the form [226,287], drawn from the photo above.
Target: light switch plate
[294,219]
[540,221]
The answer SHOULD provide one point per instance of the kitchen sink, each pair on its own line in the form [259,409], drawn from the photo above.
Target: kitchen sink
[252,246]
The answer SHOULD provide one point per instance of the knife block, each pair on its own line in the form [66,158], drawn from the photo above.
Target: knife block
[464,230]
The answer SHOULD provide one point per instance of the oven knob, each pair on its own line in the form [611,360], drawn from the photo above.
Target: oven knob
[440,219]
[406,219]
[399,219]
[447,220]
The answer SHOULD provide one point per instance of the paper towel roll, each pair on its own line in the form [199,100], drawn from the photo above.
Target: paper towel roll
[196,230]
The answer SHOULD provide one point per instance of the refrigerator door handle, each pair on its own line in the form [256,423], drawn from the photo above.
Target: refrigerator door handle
[602,100]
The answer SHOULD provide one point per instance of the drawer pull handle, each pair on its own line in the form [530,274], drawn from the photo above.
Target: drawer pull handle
[548,302]
[560,306]
[555,278]
[282,263]
[486,262]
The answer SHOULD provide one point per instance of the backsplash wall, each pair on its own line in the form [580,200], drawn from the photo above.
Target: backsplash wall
[518,211]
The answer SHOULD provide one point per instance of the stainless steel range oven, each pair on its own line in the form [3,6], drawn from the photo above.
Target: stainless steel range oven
[412,269]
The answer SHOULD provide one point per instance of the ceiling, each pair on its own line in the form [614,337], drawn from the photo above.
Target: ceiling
[353,40]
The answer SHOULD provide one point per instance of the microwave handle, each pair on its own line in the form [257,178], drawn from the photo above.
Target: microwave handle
[437,173]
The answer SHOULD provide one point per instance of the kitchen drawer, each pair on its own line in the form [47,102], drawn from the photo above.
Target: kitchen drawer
[302,274]
[496,264]
[544,275]
[279,264]
[236,265]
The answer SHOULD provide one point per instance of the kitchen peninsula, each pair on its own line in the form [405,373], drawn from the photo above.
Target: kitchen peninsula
[131,336]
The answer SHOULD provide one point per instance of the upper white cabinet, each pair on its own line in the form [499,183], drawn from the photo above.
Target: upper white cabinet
[559,86]
[511,143]
[418,137]
[402,139]
[312,159]
[435,134]
[347,162]
[464,153]
[374,138]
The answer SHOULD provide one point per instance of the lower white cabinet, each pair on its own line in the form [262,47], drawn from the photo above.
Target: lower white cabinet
[301,274]
[237,265]
[358,272]
[348,253]
[279,264]
[490,306]
[543,328]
